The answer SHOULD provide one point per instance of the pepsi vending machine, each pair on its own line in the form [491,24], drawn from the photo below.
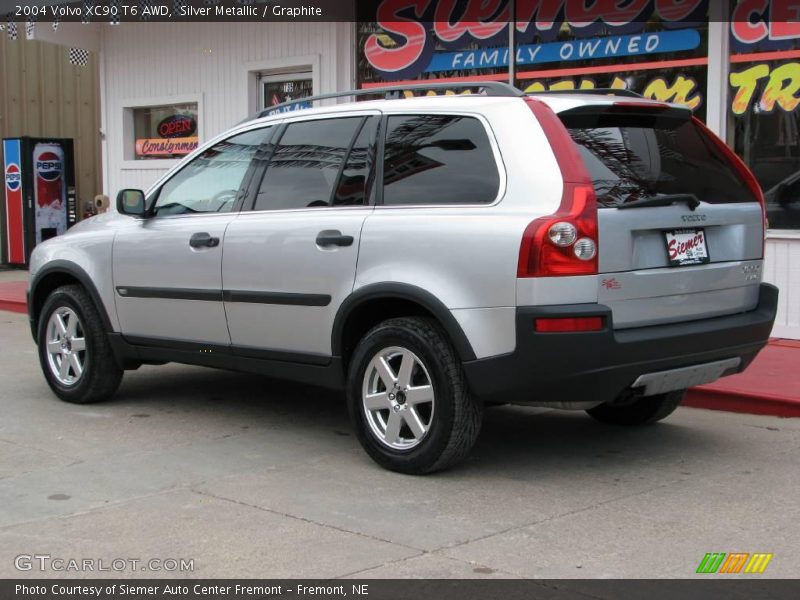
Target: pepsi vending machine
[40,198]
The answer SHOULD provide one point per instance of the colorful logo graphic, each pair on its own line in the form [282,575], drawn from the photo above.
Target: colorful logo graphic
[48,166]
[13,177]
[733,563]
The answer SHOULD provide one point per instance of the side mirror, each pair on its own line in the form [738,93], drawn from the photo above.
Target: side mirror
[131,202]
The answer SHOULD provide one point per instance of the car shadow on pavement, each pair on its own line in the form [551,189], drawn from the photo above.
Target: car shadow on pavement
[514,442]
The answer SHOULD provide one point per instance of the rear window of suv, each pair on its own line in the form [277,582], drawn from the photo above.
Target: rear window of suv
[636,156]
[438,159]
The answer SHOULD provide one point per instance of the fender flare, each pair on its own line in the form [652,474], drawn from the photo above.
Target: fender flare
[69,268]
[401,291]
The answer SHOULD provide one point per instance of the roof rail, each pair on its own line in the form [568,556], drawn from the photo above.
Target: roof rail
[488,88]
[597,91]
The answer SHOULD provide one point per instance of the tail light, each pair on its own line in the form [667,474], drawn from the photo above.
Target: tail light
[744,172]
[564,243]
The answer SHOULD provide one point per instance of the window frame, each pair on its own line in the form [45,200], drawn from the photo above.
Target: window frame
[127,138]
[255,181]
[244,189]
[498,159]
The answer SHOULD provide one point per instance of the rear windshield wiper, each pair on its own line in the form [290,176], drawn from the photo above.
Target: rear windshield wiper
[663,200]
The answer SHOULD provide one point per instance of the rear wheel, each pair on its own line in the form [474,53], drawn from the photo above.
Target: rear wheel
[74,352]
[641,411]
[408,399]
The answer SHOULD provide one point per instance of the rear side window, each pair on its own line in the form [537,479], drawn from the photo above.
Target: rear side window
[306,164]
[631,157]
[438,159]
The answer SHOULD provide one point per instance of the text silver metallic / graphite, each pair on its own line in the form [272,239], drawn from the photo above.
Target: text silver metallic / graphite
[275,10]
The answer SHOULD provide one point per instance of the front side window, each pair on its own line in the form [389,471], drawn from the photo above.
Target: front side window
[306,165]
[438,159]
[211,182]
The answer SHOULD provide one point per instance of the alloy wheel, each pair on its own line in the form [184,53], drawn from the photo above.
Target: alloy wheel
[66,346]
[398,398]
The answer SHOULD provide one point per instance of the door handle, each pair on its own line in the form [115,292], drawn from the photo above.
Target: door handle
[333,237]
[203,240]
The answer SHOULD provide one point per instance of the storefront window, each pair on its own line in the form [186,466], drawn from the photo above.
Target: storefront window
[685,85]
[657,49]
[277,89]
[764,108]
[168,131]
[392,50]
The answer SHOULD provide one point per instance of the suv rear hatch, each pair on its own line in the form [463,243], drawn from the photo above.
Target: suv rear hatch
[680,219]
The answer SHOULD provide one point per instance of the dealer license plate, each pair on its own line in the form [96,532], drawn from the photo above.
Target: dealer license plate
[686,247]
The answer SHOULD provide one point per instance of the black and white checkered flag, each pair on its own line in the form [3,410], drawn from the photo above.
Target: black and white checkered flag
[56,22]
[30,28]
[78,57]
[12,29]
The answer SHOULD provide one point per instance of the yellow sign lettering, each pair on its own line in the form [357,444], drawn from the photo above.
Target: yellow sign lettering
[784,82]
[679,92]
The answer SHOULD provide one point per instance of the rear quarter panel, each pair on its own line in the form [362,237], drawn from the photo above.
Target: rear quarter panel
[467,255]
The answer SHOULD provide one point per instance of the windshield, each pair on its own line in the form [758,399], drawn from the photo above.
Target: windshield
[631,158]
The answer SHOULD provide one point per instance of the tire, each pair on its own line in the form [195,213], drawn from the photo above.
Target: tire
[99,375]
[642,411]
[401,430]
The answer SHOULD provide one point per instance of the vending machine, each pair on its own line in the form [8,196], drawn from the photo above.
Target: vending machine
[40,198]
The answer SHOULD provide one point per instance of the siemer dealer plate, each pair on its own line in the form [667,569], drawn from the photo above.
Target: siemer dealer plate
[686,247]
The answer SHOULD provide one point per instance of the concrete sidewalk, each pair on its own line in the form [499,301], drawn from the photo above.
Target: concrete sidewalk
[770,386]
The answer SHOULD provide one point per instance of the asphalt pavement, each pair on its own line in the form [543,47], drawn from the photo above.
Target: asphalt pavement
[240,476]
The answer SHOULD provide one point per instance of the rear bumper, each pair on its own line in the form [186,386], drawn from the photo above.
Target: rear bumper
[598,366]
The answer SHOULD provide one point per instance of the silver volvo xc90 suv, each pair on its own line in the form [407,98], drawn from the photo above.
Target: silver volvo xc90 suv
[430,256]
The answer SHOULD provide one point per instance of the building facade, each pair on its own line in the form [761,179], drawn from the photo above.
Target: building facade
[166,87]
[45,93]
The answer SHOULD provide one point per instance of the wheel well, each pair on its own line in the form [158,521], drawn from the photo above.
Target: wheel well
[45,286]
[371,312]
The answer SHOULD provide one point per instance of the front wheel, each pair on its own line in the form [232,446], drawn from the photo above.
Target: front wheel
[408,399]
[641,411]
[74,352]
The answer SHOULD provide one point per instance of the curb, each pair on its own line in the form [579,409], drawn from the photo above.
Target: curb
[732,401]
[14,306]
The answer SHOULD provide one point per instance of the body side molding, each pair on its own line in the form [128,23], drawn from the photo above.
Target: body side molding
[212,295]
